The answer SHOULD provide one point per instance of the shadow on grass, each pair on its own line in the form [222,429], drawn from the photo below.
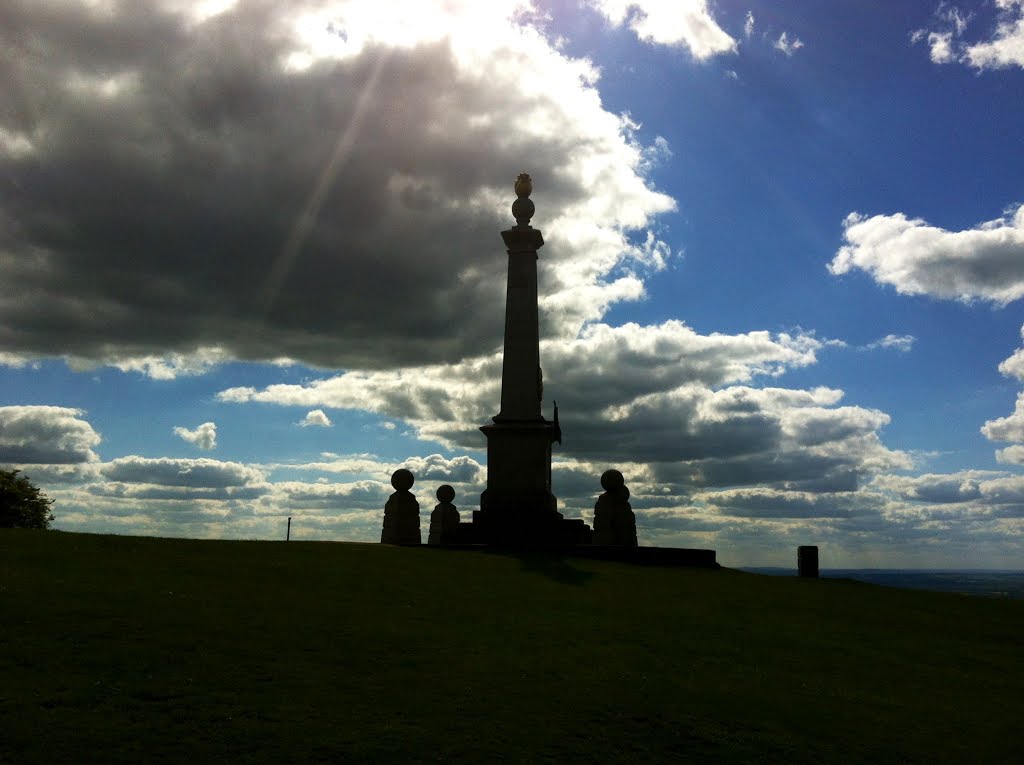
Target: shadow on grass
[554,567]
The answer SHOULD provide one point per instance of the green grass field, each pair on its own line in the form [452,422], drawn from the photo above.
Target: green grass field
[127,649]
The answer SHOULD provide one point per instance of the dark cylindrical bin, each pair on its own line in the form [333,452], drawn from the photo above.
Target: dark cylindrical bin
[807,560]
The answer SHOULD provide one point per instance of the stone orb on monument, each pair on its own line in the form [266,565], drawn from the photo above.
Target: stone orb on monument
[612,480]
[402,479]
[523,208]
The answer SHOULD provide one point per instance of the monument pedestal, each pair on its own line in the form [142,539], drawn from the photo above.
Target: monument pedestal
[518,509]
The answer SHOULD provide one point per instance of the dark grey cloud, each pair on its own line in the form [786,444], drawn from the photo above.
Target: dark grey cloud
[946,491]
[179,187]
[937,488]
[671,428]
[766,503]
[336,497]
[967,496]
[1007,490]
[658,394]
[56,474]
[793,467]
[671,520]
[581,483]
[191,473]
[177,493]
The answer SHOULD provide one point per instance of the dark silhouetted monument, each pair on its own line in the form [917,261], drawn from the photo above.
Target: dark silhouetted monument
[518,508]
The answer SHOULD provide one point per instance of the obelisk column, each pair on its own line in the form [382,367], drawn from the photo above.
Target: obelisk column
[518,506]
[520,369]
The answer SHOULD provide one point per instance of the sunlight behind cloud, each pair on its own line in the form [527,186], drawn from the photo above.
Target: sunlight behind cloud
[15,144]
[388,159]
[339,30]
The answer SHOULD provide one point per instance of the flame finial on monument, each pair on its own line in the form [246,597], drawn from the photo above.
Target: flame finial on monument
[523,208]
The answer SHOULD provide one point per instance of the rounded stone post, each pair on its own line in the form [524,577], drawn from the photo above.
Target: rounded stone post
[401,513]
[444,521]
[614,521]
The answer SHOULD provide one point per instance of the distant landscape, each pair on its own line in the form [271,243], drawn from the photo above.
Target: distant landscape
[989,583]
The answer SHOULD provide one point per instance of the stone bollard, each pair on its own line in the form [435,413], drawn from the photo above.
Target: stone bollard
[614,521]
[444,521]
[807,561]
[401,513]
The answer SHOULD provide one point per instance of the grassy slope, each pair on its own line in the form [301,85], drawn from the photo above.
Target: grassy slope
[132,649]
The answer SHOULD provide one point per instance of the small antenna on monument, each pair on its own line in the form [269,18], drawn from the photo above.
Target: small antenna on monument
[558,428]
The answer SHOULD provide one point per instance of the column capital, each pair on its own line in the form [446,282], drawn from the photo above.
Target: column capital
[522,239]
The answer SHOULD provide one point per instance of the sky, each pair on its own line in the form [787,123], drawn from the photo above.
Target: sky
[251,264]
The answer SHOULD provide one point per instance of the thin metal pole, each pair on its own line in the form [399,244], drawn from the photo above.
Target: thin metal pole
[288,536]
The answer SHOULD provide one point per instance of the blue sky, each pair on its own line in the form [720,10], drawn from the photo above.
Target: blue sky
[251,264]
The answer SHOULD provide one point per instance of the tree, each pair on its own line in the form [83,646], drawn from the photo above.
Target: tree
[22,504]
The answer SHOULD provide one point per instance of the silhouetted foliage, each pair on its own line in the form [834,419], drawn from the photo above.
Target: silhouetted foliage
[22,504]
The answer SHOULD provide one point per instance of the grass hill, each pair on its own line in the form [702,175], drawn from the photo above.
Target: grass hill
[127,649]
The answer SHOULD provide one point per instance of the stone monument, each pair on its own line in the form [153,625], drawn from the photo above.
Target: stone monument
[444,521]
[614,522]
[518,508]
[401,513]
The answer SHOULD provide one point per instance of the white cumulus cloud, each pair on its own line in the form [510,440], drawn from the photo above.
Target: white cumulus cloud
[1014,366]
[204,436]
[316,418]
[1001,47]
[53,435]
[982,263]
[168,366]
[1011,427]
[688,23]
[1011,455]
[1006,46]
